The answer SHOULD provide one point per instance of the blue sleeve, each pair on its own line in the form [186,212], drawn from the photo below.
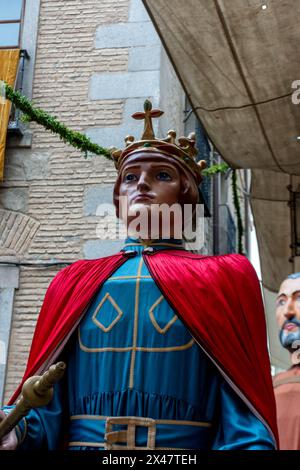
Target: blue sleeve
[43,428]
[238,428]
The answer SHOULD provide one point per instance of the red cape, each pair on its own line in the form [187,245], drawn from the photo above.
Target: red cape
[218,298]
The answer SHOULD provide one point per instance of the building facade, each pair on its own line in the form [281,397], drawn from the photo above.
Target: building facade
[90,64]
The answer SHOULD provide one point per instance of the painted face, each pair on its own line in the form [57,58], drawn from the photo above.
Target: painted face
[146,184]
[288,313]
[150,182]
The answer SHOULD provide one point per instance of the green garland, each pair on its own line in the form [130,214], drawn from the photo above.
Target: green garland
[84,144]
[76,139]
[214,169]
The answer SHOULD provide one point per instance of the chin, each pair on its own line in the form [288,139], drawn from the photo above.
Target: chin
[290,340]
[137,207]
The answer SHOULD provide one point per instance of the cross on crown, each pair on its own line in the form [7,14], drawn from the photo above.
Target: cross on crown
[184,151]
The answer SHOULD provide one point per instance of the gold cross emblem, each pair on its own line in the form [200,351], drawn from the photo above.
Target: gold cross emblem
[148,115]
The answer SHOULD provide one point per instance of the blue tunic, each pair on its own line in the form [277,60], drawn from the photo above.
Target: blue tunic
[131,356]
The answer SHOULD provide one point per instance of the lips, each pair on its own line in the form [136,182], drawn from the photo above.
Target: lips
[290,327]
[142,197]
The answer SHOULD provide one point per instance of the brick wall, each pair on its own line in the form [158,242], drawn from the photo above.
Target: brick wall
[53,176]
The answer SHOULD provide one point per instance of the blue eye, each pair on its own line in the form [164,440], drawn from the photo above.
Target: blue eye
[164,176]
[129,177]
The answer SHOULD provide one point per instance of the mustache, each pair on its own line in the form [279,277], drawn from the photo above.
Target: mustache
[293,322]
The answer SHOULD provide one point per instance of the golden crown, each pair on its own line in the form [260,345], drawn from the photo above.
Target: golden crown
[184,151]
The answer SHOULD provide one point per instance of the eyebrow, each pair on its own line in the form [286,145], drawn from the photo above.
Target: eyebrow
[284,295]
[281,295]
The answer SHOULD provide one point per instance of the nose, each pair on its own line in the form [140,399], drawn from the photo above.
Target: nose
[289,310]
[143,182]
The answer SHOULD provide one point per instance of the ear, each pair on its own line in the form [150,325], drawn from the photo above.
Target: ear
[185,187]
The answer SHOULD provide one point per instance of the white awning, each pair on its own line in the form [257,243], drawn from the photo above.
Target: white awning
[237,61]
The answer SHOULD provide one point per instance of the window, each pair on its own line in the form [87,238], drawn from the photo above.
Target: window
[11,15]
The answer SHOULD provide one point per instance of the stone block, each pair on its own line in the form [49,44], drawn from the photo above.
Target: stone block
[126,35]
[124,85]
[144,58]
[9,277]
[111,136]
[96,195]
[137,11]
[93,249]
[6,305]
[26,165]
[14,199]
[36,167]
